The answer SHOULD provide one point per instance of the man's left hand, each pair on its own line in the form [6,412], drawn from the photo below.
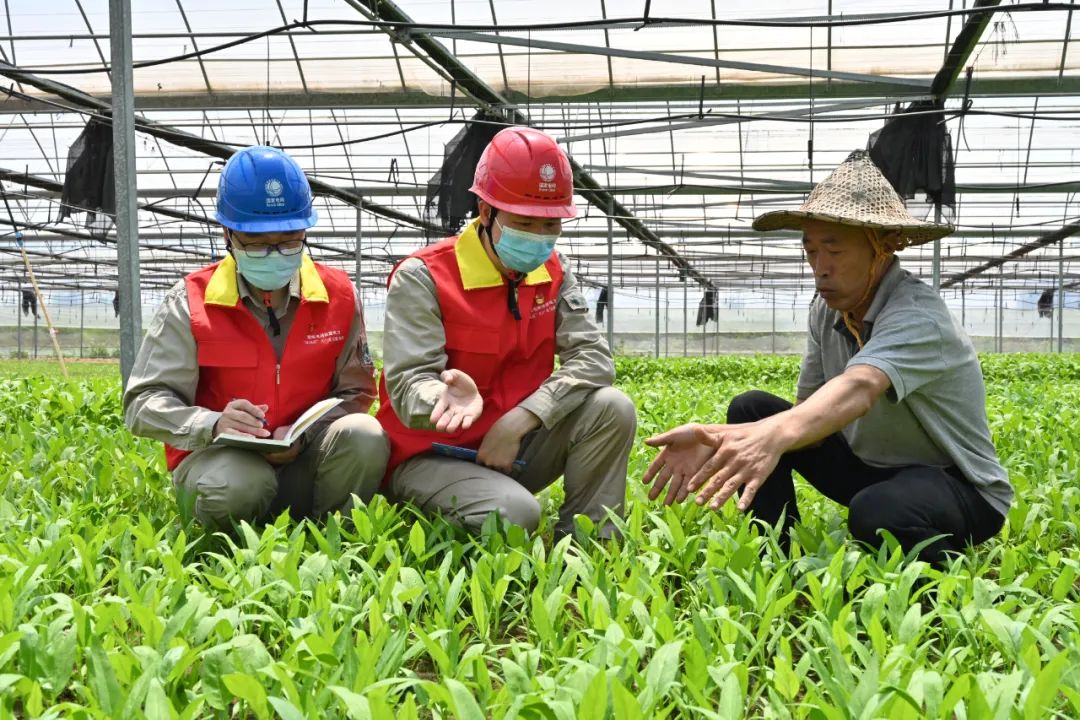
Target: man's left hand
[499,448]
[284,457]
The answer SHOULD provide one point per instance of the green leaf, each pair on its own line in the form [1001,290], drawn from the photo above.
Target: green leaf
[355,705]
[623,703]
[102,681]
[285,709]
[249,690]
[157,705]
[417,541]
[465,706]
[594,703]
[663,668]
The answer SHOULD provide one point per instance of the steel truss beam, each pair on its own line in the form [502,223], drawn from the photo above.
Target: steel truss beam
[890,83]
[1041,242]
[1041,85]
[194,142]
[445,63]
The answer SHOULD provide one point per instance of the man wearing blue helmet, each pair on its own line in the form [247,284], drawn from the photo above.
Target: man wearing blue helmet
[245,346]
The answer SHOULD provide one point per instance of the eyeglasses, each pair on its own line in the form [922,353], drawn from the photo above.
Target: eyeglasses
[261,250]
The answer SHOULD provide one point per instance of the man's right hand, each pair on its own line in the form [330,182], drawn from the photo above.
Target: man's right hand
[459,405]
[241,417]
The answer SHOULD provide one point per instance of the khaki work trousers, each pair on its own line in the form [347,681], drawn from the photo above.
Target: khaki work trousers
[590,448]
[232,484]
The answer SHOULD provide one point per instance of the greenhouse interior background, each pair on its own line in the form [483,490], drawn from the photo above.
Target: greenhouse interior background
[683,124]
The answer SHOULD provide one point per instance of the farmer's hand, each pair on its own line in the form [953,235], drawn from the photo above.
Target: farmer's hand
[459,405]
[501,445]
[685,451]
[744,456]
[242,418]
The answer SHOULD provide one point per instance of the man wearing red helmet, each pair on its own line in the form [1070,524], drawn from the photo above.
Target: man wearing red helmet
[473,325]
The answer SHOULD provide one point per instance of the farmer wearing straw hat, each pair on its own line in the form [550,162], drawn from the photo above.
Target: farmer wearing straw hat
[890,417]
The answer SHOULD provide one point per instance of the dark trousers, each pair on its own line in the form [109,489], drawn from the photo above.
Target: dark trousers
[914,503]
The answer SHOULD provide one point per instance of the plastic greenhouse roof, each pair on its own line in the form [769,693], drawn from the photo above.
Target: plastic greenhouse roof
[694,127]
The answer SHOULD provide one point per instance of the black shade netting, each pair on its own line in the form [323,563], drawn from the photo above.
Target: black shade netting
[449,203]
[914,151]
[88,183]
[601,305]
[29,303]
[1046,304]
[707,310]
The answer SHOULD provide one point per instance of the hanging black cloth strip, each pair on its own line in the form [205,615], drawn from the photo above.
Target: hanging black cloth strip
[914,151]
[601,305]
[1046,304]
[449,201]
[29,303]
[707,309]
[88,182]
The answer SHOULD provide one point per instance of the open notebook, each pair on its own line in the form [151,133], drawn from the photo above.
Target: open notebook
[306,420]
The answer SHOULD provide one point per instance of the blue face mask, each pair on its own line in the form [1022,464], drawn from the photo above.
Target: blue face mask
[523,251]
[267,273]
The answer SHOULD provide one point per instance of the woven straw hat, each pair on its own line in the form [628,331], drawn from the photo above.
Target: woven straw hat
[857,194]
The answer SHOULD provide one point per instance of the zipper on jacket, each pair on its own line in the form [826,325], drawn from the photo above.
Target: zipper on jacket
[277,373]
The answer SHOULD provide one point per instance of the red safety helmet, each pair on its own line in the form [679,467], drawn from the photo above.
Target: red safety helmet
[525,172]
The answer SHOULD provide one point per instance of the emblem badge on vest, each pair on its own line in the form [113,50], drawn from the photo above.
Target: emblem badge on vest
[543,306]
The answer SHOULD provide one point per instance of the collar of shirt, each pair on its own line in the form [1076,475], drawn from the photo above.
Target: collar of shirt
[477,270]
[888,283]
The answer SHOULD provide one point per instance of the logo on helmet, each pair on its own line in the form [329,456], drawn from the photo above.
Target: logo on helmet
[547,177]
[274,188]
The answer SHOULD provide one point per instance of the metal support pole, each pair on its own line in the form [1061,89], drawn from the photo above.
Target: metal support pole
[937,251]
[610,281]
[35,335]
[685,318]
[1061,297]
[358,278]
[774,321]
[667,325]
[657,338]
[1051,333]
[127,217]
[82,319]
[1001,314]
[18,315]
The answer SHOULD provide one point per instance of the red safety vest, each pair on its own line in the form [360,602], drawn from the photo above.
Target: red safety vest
[236,359]
[508,358]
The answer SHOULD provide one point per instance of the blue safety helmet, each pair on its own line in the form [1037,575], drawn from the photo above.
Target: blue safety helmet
[262,190]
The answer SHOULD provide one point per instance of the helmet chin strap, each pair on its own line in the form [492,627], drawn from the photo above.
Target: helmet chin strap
[883,255]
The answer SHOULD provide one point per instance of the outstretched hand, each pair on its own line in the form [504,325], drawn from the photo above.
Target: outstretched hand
[715,461]
[459,405]
[685,450]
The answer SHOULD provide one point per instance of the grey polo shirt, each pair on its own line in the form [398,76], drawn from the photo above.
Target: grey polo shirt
[935,412]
